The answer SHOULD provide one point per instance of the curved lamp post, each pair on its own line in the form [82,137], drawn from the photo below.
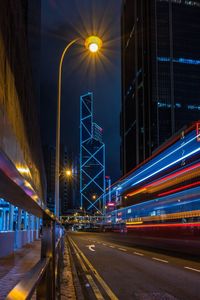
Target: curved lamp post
[93,44]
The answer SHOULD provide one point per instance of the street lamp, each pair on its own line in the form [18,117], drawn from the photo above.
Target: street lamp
[68,173]
[93,44]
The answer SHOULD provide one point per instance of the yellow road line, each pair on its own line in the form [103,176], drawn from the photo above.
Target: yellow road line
[94,287]
[98,277]
[80,261]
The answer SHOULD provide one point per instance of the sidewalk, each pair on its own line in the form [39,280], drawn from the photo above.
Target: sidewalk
[13,267]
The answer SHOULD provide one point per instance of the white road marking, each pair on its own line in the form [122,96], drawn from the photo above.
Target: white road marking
[159,259]
[138,253]
[112,246]
[192,269]
[104,244]
[91,247]
[122,249]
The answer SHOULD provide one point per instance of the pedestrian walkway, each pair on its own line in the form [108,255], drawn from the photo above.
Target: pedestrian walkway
[13,267]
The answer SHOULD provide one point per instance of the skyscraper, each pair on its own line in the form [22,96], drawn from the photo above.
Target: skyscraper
[92,158]
[68,184]
[160,74]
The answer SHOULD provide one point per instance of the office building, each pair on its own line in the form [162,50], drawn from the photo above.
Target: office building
[68,186]
[49,161]
[160,74]
[92,158]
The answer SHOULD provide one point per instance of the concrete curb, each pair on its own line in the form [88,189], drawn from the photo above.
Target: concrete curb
[77,285]
[70,285]
[67,290]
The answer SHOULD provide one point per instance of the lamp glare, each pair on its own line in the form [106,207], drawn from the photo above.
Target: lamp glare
[93,43]
[68,172]
[93,47]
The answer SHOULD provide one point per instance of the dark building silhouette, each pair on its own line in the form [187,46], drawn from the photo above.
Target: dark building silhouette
[68,184]
[49,161]
[33,17]
[160,74]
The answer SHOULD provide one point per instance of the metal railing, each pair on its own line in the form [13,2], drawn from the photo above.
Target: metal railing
[43,281]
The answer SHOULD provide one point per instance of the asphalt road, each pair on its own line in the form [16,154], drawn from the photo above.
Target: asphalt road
[110,267]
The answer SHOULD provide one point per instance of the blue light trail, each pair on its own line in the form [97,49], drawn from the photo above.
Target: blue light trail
[181,60]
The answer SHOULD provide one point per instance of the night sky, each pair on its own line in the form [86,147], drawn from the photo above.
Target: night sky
[62,21]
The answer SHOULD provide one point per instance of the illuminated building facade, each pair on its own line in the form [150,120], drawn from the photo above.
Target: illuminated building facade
[22,175]
[160,74]
[92,158]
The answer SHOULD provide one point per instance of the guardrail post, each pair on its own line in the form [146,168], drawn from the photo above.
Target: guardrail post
[59,264]
[53,263]
[58,272]
[46,287]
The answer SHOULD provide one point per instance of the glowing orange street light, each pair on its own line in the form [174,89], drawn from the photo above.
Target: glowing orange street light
[68,173]
[93,44]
